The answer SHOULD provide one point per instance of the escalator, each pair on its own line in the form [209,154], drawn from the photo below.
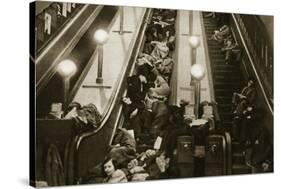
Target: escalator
[230,78]
[89,148]
[227,80]
[77,39]
[49,86]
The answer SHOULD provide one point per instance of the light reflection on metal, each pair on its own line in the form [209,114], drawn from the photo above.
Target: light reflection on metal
[197,72]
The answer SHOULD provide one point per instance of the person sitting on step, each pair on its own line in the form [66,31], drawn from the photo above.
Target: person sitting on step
[245,97]
[228,49]
[221,34]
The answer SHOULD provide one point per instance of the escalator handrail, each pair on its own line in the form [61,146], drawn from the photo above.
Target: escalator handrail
[229,152]
[49,73]
[79,138]
[252,64]
[120,119]
[207,59]
[69,24]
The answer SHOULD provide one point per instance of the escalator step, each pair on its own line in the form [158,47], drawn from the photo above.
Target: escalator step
[237,147]
[225,108]
[226,116]
[238,158]
[240,169]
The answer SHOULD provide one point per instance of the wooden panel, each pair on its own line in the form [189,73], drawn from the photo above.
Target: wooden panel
[57,132]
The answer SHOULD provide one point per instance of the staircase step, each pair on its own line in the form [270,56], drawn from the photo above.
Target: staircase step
[224,85]
[240,169]
[238,158]
[226,72]
[226,116]
[210,22]
[237,147]
[223,99]
[215,50]
[211,29]
[217,56]
[225,108]
[224,93]
[227,67]
[219,78]
[214,43]
[218,61]
[227,125]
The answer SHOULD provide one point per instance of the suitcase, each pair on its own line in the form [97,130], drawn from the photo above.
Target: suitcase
[185,156]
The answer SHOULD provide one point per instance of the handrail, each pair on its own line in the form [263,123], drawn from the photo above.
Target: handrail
[259,45]
[87,68]
[80,137]
[229,152]
[252,63]
[173,81]
[58,36]
[140,46]
[56,31]
[207,59]
[208,63]
[44,76]
[107,115]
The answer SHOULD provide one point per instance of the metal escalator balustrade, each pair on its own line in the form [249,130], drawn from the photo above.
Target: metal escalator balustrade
[98,140]
[77,45]
[51,21]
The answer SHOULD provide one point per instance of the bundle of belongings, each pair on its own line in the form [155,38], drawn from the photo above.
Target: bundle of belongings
[85,116]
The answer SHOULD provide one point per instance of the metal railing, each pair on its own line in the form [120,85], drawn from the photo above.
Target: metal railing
[256,63]
[259,44]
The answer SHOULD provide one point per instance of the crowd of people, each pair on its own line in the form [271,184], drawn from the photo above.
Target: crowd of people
[146,112]
[144,148]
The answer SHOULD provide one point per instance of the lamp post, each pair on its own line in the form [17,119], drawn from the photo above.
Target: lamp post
[66,69]
[197,72]
[194,42]
[121,30]
[101,37]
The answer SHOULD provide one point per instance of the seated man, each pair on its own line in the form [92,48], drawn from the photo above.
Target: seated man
[229,46]
[221,34]
[246,97]
[161,90]
[136,91]
[123,148]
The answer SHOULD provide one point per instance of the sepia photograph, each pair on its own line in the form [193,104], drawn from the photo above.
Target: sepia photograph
[128,94]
